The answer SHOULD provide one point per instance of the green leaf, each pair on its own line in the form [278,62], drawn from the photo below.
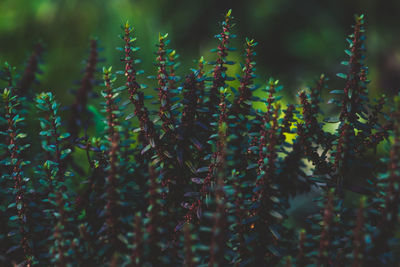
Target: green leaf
[337,92]
[202,169]
[276,214]
[348,106]
[350,93]
[130,116]
[14,218]
[21,135]
[64,136]
[65,153]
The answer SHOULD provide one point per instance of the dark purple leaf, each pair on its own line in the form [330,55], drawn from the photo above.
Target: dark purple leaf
[197,180]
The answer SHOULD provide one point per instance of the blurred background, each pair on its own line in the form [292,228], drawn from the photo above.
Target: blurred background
[298,40]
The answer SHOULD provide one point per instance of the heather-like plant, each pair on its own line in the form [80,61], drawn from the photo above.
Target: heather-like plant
[199,176]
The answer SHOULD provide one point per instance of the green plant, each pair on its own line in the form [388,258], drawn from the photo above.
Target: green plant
[204,178]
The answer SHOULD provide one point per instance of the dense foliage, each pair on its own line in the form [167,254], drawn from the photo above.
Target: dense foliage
[202,177]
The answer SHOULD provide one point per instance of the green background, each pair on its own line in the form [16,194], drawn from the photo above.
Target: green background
[298,40]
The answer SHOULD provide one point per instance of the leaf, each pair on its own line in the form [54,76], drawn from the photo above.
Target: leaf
[179,226]
[166,153]
[152,143]
[252,166]
[13,218]
[190,166]
[337,92]
[64,135]
[341,75]
[12,249]
[331,101]
[121,88]
[179,157]
[253,148]
[145,149]
[65,153]
[130,116]
[21,135]
[348,107]
[46,133]
[196,143]
[350,93]
[275,232]
[185,205]
[276,214]
[274,250]
[202,169]
[123,239]
[197,180]
[199,212]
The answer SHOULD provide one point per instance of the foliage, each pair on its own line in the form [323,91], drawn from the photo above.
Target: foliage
[202,178]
